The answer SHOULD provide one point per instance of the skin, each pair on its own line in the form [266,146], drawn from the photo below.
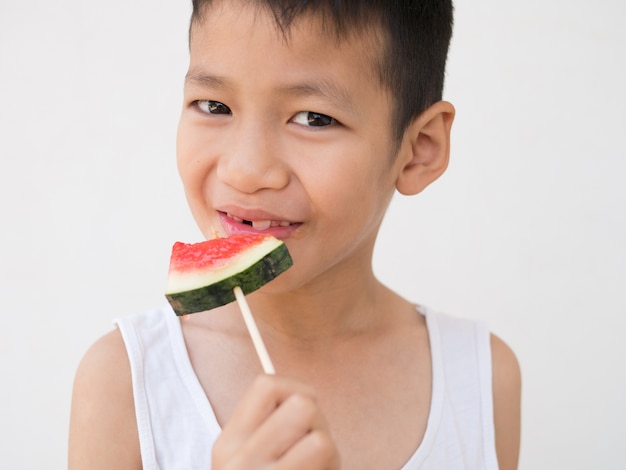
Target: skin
[246,147]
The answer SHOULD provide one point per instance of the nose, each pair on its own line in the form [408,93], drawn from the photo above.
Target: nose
[251,162]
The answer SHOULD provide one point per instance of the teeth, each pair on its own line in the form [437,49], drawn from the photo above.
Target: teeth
[236,219]
[261,224]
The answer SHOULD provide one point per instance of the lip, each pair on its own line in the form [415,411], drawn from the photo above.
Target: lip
[234,221]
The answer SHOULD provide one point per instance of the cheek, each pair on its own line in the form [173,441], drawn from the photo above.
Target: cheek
[192,158]
[355,192]
[194,167]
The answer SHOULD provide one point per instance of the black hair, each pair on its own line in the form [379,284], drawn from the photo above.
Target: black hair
[416,36]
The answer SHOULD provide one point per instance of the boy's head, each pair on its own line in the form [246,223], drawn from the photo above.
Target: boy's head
[302,121]
[414,36]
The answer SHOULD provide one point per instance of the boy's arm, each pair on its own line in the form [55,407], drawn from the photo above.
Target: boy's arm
[103,431]
[507,403]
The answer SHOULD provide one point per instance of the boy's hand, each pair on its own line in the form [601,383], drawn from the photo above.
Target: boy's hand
[277,425]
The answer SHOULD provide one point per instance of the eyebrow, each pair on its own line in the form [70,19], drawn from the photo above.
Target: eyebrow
[324,88]
[315,88]
[196,77]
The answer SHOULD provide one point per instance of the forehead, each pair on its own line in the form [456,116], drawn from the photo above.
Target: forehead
[341,18]
[357,36]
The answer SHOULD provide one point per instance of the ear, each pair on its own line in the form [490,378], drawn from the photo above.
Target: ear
[425,148]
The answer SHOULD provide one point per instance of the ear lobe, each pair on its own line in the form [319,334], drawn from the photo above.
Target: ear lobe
[425,149]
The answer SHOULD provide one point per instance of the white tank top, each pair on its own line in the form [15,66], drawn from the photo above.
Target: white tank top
[177,426]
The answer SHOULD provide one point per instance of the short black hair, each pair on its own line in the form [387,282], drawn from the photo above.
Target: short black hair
[417,37]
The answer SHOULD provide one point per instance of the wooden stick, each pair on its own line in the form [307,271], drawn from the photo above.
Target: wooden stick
[257,341]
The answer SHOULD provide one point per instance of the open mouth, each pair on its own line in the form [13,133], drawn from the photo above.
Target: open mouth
[260,224]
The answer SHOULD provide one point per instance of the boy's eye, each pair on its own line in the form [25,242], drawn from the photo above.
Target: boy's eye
[311,119]
[213,107]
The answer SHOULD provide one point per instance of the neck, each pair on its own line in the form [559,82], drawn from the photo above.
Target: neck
[313,316]
[344,302]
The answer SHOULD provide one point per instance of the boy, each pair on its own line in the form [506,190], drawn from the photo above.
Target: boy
[301,119]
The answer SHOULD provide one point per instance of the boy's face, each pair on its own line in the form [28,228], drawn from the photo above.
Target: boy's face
[290,137]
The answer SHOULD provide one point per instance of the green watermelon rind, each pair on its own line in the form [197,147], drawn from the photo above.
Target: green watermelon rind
[221,293]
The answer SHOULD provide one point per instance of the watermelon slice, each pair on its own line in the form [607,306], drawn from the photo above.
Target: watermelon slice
[202,275]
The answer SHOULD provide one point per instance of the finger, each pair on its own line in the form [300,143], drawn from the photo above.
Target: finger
[315,451]
[263,397]
[297,416]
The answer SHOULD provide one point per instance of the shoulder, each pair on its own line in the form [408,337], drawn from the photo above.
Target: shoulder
[103,431]
[507,384]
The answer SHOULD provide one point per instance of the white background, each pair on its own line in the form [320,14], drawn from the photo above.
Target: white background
[527,230]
